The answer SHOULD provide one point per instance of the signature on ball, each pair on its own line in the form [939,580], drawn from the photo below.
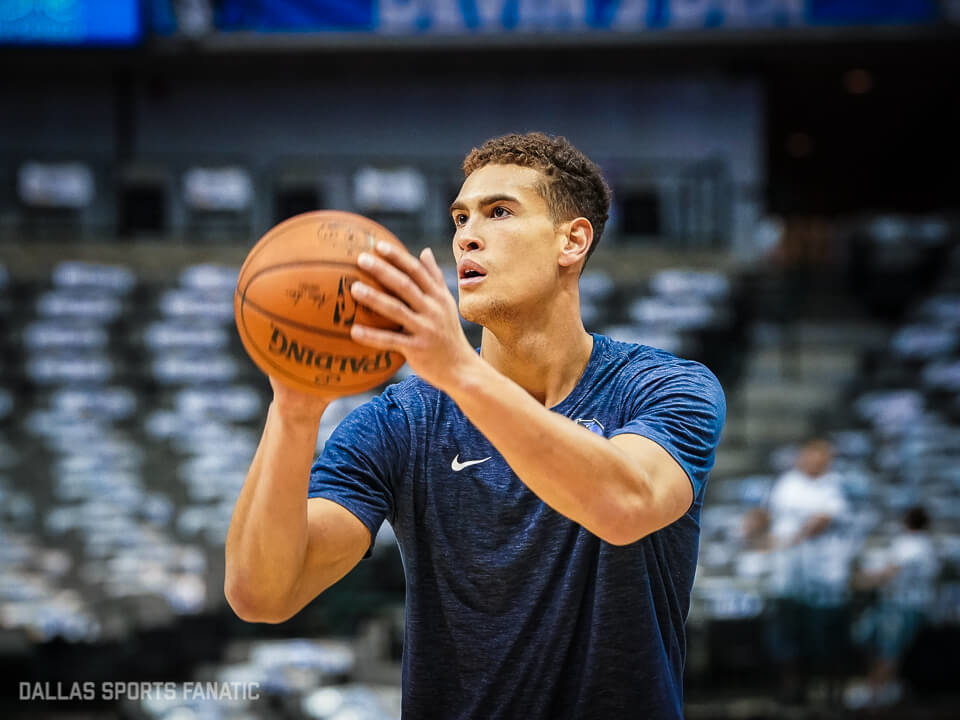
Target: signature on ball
[312,293]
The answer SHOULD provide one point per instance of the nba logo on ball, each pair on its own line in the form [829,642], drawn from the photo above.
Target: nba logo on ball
[593,425]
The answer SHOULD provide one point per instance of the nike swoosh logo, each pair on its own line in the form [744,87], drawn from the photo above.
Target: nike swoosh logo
[457,466]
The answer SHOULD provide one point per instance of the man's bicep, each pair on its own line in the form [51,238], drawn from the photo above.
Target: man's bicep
[336,541]
[671,487]
[334,531]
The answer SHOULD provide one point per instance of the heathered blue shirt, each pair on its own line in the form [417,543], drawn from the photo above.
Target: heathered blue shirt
[514,611]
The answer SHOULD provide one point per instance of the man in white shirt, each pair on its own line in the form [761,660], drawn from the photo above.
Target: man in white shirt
[811,567]
[806,499]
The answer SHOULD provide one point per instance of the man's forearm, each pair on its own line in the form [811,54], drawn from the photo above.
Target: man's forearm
[579,474]
[267,540]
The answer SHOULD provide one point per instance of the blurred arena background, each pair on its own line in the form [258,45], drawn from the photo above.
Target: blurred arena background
[785,177]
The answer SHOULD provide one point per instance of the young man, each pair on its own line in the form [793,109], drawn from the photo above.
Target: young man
[545,492]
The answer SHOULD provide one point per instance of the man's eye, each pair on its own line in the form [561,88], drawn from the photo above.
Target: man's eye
[500,212]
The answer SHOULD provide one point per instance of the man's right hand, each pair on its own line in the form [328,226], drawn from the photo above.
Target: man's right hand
[295,405]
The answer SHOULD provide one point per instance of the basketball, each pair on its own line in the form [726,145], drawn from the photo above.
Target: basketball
[294,310]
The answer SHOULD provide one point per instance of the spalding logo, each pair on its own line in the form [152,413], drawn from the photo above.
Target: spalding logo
[307,356]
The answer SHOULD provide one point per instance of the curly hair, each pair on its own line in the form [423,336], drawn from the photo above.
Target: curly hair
[572,186]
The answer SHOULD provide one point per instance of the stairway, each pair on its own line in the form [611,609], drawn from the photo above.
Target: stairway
[794,375]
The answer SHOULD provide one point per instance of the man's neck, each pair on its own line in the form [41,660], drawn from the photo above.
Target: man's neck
[546,359]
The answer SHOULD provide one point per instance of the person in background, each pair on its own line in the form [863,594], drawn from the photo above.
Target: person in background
[905,581]
[754,530]
[806,499]
[810,579]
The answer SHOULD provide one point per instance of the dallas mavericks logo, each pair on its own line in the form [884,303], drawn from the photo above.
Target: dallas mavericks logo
[591,424]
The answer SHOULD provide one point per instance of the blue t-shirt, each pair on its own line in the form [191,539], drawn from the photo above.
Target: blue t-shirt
[513,610]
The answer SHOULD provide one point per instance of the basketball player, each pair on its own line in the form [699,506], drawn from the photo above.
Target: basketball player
[545,492]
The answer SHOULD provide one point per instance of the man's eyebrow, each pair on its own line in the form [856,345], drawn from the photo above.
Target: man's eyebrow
[484,201]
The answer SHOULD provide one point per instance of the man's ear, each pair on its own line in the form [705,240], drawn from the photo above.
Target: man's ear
[578,239]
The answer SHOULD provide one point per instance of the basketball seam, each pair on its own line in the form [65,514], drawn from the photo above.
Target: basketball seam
[259,247]
[293,323]
[296,220]
[300,263]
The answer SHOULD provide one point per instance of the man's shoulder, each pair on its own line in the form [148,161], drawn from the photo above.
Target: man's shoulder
[418,399]
[794,483]
[638,355]
[647,364]
[400,408]
[409,393]
[785,482]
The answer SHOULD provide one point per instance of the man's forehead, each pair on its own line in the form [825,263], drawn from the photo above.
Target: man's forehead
[500,179]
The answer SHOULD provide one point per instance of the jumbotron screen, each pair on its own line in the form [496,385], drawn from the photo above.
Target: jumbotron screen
[70,22]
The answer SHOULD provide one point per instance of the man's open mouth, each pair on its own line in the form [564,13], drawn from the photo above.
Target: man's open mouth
[470,272]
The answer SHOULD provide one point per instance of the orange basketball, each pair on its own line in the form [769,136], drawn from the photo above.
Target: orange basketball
[294,309]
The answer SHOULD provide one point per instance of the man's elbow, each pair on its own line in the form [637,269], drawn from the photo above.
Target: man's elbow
[630,521]
[622,526]
[620,539]
[625,531]
[254,607]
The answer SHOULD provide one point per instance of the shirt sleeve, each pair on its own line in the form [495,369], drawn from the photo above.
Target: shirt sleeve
[363,459]
[681,408]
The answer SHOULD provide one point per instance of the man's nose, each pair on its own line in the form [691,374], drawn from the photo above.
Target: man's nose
[467,240]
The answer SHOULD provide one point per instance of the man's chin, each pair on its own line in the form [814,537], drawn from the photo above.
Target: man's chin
[469,311]
[475,309]
[488,312]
